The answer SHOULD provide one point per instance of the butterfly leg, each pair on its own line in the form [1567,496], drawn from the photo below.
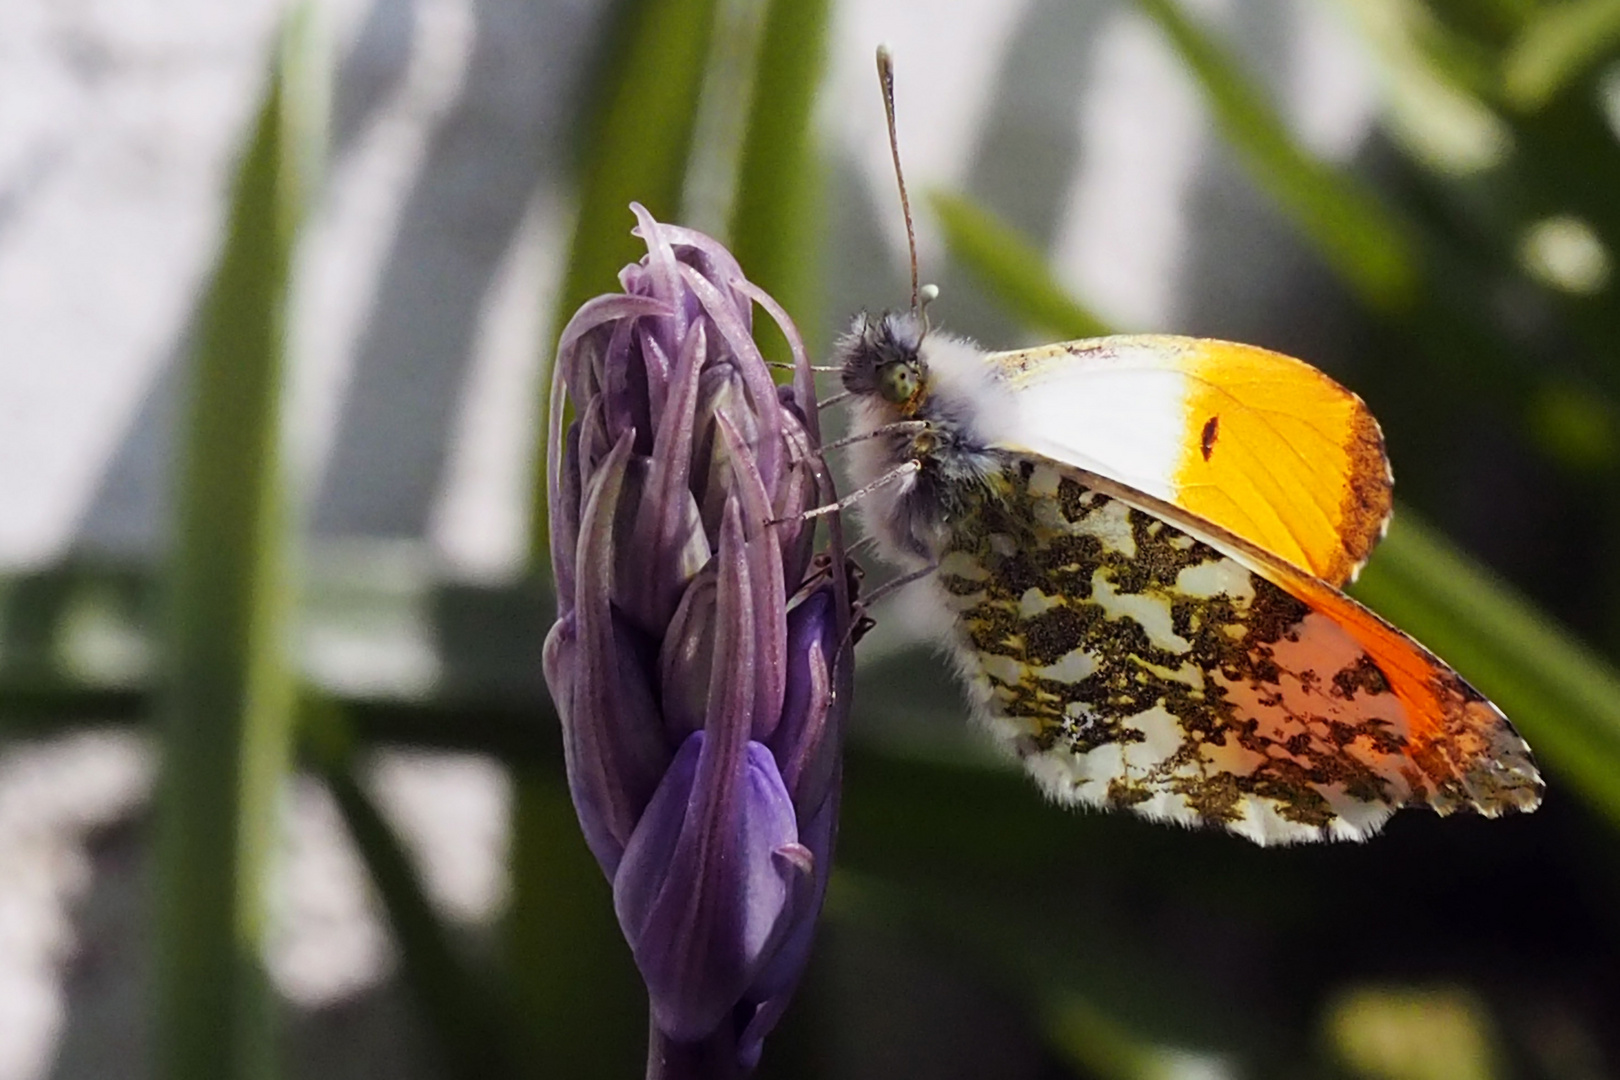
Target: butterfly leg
[897,473]
[869,542]
[787,366]
[899,427]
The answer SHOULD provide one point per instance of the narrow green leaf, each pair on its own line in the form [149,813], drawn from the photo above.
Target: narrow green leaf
[638,138]
[1434,87]
[1353,232]
[226,702]
[776,218]
[1559,45]
[1012,268]
[1561,695]
[574,982]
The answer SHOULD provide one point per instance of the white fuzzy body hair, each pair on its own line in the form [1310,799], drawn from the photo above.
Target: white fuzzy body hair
[970,412]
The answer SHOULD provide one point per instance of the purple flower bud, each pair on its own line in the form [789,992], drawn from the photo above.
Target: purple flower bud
[700,659]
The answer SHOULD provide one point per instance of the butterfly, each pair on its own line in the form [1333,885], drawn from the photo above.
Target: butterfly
[1137,547]
[1138,544]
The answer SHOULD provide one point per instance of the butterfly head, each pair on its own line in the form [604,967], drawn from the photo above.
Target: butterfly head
[881,360]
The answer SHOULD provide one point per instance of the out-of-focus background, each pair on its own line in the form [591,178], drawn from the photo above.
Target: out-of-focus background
[1422,196]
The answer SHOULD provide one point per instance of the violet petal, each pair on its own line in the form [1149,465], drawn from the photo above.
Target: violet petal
[801,743]
[765,577]
[611,308]
[800,490]
[804,380]
[657,365]
[624,388]
[750,365]
[720,391]
[687,658]
[564,523]
[613,735]
[668,517]
[773,986]
[700,898]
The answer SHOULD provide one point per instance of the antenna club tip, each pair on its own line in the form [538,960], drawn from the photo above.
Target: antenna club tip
[885,58]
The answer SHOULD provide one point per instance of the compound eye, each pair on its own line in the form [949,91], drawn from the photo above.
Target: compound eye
[897,382]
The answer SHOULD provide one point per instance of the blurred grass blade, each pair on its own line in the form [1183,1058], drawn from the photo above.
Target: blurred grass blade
[637,139]
[1356,235]
[776,218]
[1011,267]
[637,142]
[1559,44]
[574,983]
[466,1014]
[1561,695]
[1434,88]
[1099,1045]
[226,701]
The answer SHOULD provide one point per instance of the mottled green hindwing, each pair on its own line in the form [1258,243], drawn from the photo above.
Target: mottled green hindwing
[1132,665]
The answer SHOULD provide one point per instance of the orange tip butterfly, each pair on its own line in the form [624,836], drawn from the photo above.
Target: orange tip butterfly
[1140,544]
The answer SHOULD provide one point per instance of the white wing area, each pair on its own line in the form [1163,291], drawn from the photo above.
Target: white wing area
[1114,406]
[1259,443]
[1128,424]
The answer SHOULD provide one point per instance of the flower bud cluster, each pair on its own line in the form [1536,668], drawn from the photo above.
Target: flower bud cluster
[699,660]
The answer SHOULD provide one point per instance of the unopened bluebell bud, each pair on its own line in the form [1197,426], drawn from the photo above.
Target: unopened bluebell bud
[700,659]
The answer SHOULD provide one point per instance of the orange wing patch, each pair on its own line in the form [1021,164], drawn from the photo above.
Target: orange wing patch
[1283,456]
[1466,750]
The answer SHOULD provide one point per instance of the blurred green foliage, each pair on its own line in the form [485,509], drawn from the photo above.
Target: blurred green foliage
[972,930]
[226,707]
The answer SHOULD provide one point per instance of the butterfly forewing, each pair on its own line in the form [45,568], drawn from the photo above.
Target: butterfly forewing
[1264,445]
[1133,663]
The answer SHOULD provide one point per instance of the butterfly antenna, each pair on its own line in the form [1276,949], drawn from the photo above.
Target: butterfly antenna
[885,65]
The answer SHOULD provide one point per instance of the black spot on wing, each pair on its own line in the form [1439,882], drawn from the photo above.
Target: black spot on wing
[1212,430]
